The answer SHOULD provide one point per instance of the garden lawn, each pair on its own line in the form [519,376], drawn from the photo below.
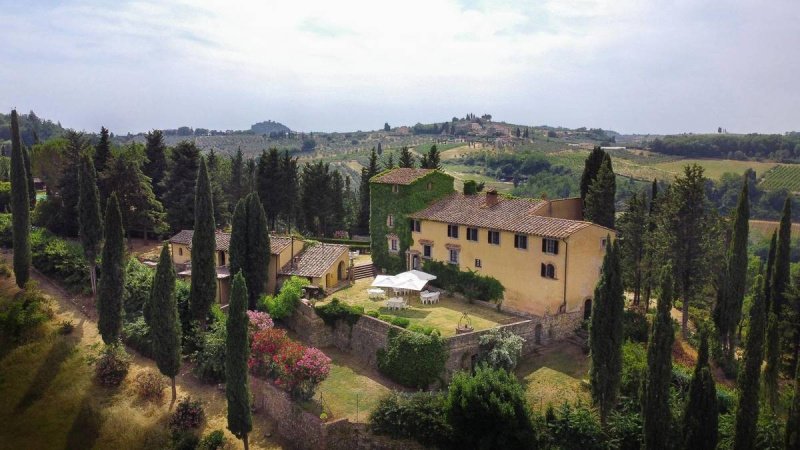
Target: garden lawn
[352,389]
[555,376]
[443,316]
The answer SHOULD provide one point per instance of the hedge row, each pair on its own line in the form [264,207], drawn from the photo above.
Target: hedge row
[471,284]
[413,359]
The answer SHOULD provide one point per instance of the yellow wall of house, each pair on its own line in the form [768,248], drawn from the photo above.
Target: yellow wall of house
[519,271]
[181,254]
[277,261]
[567,208]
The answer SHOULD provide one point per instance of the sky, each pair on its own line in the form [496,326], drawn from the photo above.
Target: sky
[650,66]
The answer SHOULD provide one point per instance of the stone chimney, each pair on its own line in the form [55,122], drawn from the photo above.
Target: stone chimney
[492,197]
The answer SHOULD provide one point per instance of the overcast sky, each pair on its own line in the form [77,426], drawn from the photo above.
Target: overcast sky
[656,66]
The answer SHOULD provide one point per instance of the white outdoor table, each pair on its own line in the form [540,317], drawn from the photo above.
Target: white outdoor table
[429,297]
[395,303]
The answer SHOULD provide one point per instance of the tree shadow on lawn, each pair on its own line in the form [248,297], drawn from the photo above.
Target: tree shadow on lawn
[60,351]
[89,420]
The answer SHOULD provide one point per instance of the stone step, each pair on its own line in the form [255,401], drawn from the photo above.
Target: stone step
[363,271]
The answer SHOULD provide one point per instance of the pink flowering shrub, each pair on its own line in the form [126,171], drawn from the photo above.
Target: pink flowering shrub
[341,234]
[293,366]
[259,321]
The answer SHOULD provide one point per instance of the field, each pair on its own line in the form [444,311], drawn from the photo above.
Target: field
[714,168]
[782,177]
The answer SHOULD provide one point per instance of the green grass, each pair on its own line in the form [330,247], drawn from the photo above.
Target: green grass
[352,390]
[782,177]
[443,316]
[554,376]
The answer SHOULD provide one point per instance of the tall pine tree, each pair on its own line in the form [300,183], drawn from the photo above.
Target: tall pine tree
[406,158]
[363,192]
[89,220]
[140,208]
[156,165]
[112,275]
[203,287]
[20,203]
[237,351]
[777,304]
[655,401]
[599,203]
[793,418]
[165,326]
[178,186]
[732,283]
[748,382]
[633,231]
[221,216]
[269,183]
[102,150]
[701,415]
[236,190]
[606,334]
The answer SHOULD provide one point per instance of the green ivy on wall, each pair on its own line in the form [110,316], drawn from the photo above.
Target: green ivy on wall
[409,199]
[413,359]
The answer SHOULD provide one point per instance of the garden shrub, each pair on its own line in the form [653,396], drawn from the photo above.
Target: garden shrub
[421,416]
[184,440]
[284,304]
[66,327]
[488,410]
[373,313]
[60,259]
[209,359]
[23,315]
[402,322]
[386,317]
[136,334]
[149,385]
[625,429]
[188,414]
[295,367]
[212,441]
[424,329]
[634,326]
[111,366]
[336,310]
[469,283]
[5,230]
[138,284]
[412,359]
[5,195]
[258,321]
[575,427]
[500,349]
[634,366]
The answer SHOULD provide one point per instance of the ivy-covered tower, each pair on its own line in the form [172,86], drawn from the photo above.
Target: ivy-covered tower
[394,194]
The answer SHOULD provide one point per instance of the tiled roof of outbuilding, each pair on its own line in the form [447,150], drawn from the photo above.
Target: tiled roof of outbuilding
[276,243]
[315,260]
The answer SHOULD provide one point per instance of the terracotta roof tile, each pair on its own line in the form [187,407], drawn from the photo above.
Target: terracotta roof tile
[184,237]
[315,260]
[508,214]
[400,175]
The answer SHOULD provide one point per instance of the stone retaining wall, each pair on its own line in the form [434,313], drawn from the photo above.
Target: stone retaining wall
[306,431]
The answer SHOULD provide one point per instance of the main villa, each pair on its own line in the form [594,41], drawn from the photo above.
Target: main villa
[542,251]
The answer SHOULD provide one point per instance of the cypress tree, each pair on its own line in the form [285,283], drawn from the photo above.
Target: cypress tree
[432,159]
[606,334]
[204,273]
[633,228]
[701,416]
[112,279]
[269,183]
[748,382]
[20,203]
[102,151]
[236,189]
[237,350]
[599,204]
[90,225]
[290,174]
[26,154]
[249,246]
[777,302]
[165,327]
[366,173]
[649,243]
[793,418]
[732,283]
[406,158]
[389,162]
[591,166]
[655,401]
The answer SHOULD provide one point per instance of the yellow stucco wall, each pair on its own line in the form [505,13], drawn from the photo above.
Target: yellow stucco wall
[566,208]
[520,270]
[181,254]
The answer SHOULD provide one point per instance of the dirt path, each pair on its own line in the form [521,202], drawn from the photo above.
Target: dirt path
[73,308]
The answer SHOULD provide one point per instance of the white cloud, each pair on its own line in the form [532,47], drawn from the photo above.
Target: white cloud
[625,64]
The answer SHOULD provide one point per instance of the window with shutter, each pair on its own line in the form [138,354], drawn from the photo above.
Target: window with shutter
[544,270]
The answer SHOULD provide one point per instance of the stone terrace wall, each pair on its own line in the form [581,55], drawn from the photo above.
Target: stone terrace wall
[304,430]
[537,332]
[363,340]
